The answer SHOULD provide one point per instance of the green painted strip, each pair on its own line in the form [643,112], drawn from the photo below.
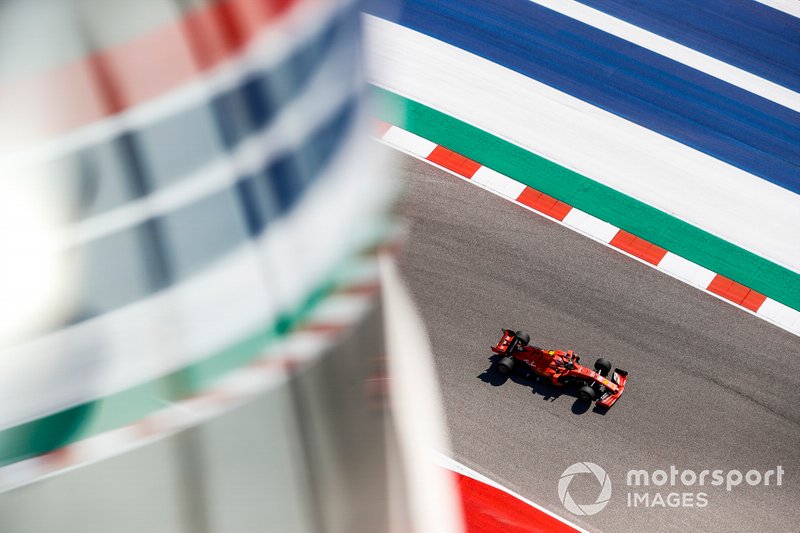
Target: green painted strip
[642,220]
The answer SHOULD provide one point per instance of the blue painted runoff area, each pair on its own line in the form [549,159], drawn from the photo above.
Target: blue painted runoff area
[696,109]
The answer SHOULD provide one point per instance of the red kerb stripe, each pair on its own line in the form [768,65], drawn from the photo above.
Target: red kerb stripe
[638,247]
[544,204]
[453,161]
[489,510]
[736,292]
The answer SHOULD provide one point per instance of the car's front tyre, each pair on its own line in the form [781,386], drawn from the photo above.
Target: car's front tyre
[586,393]
[602,366]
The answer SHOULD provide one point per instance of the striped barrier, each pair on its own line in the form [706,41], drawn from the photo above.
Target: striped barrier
[343,307]
[143,186]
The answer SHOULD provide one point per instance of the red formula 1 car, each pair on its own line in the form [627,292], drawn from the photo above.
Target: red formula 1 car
[561,368]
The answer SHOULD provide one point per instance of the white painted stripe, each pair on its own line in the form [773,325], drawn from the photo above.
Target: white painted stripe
[677,52]
[790,7]
[590,225]
[499,183]
[103,445]
[780,314]
[364,271]
[302,345]
[409,142]
[338,308]
[599,145]
[451,464]
[685,270]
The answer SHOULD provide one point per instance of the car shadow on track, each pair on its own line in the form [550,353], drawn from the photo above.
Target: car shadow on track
[539,386]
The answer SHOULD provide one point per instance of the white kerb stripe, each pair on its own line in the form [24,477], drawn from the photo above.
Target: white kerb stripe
[683,269]
[590,225]
[503,185]
[677,52]
[790,7]
[780,314]
[409,142]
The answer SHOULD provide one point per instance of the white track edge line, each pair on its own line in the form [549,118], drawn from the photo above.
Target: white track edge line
[790,7]
[675,51]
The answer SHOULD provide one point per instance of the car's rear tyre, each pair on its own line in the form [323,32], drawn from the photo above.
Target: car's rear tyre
[523,338]
[603,366]
[586,393]
[505,365]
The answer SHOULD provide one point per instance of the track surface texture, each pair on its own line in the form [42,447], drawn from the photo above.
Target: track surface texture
[711,387]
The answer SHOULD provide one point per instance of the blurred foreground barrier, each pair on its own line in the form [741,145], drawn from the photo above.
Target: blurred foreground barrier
[190,329]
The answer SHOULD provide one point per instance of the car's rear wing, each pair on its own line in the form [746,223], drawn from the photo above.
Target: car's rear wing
[506,344]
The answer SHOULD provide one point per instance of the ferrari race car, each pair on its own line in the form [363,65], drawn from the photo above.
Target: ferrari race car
[562,368]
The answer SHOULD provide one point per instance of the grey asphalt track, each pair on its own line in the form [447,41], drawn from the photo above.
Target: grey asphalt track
[711,387]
